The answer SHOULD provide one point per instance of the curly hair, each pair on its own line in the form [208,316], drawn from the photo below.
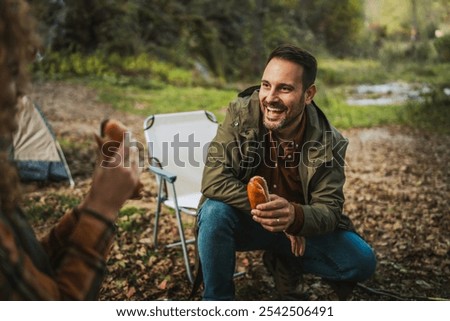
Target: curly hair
[18,43]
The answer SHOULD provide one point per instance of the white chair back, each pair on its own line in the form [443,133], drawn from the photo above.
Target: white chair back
[178,142]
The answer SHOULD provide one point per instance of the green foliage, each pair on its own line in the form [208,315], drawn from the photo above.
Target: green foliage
[394,52]
[113,68]
[423,51]
[232,39]
[442,46]
[432,113]
[58,65]
[343,116]
[336,72]
[425,72]
[338,22]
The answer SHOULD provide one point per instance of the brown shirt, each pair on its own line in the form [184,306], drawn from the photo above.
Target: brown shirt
[280,168]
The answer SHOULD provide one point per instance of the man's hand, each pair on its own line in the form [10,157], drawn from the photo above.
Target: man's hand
[276,215]
[113,182]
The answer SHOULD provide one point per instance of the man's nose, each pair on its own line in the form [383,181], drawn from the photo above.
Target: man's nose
[272,96]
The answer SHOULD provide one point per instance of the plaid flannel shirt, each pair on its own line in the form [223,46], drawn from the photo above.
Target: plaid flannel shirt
[69,263]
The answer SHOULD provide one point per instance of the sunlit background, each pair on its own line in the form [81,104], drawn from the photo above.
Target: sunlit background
[169,53]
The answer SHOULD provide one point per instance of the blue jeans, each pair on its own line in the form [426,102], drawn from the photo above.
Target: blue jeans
[223,230]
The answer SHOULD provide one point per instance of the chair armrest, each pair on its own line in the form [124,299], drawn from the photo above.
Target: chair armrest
[168,176]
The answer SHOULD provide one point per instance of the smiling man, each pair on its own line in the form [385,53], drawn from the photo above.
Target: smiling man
[276,131]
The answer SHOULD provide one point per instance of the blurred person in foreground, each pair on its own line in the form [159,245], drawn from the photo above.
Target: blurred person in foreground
[70,262]
[276,131]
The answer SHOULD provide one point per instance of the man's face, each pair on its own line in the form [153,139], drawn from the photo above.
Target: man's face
[281,96]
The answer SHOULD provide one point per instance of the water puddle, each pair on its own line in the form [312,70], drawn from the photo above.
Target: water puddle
[386,94]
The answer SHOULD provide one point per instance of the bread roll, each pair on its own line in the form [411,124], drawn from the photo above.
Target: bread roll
[257,191]
[112,129]
[112,134]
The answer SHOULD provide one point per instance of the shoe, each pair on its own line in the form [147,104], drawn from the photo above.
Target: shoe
[343,289]
[287,275]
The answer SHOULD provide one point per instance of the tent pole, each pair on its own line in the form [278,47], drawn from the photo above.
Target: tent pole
[66,166]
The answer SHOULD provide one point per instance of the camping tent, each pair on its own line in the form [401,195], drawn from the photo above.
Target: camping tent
[35,150]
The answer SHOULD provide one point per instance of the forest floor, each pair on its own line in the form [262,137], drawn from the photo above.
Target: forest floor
[397,194]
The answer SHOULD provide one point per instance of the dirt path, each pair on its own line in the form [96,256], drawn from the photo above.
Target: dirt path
[397,195]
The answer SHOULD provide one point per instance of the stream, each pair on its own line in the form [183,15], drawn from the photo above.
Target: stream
[393,93]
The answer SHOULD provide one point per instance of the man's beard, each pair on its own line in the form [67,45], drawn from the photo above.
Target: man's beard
[286,121]
[281,124]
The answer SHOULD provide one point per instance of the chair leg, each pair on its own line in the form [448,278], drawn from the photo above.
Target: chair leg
[183,244]
[158,211]
[182,237]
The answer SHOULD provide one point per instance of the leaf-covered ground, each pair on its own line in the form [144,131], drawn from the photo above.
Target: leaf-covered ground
[397,194]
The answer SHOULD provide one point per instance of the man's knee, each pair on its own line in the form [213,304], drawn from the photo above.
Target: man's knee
[216,213]
[365,263]
[368,263]
[362,256]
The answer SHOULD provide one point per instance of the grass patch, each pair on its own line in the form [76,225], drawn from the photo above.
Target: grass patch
[331,99]
[336,72]
[428,72]
[167,99]
[131,219]
[48,207]
[343,116]
[170,99]
[339,72]
[432,114]
[67,143]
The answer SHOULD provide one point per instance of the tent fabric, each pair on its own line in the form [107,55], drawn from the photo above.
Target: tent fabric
[35,150]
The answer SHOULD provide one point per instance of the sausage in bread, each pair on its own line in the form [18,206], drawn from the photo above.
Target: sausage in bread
[257,191]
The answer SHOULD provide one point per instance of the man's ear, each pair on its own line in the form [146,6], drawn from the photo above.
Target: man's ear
[310,93]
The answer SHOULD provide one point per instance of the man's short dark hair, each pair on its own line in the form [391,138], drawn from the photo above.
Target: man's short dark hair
[298,56]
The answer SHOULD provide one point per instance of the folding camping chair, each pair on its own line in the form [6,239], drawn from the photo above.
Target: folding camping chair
[177,147]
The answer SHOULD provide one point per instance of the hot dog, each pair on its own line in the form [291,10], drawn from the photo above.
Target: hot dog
[257,191]
[113,130]
[112,134]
